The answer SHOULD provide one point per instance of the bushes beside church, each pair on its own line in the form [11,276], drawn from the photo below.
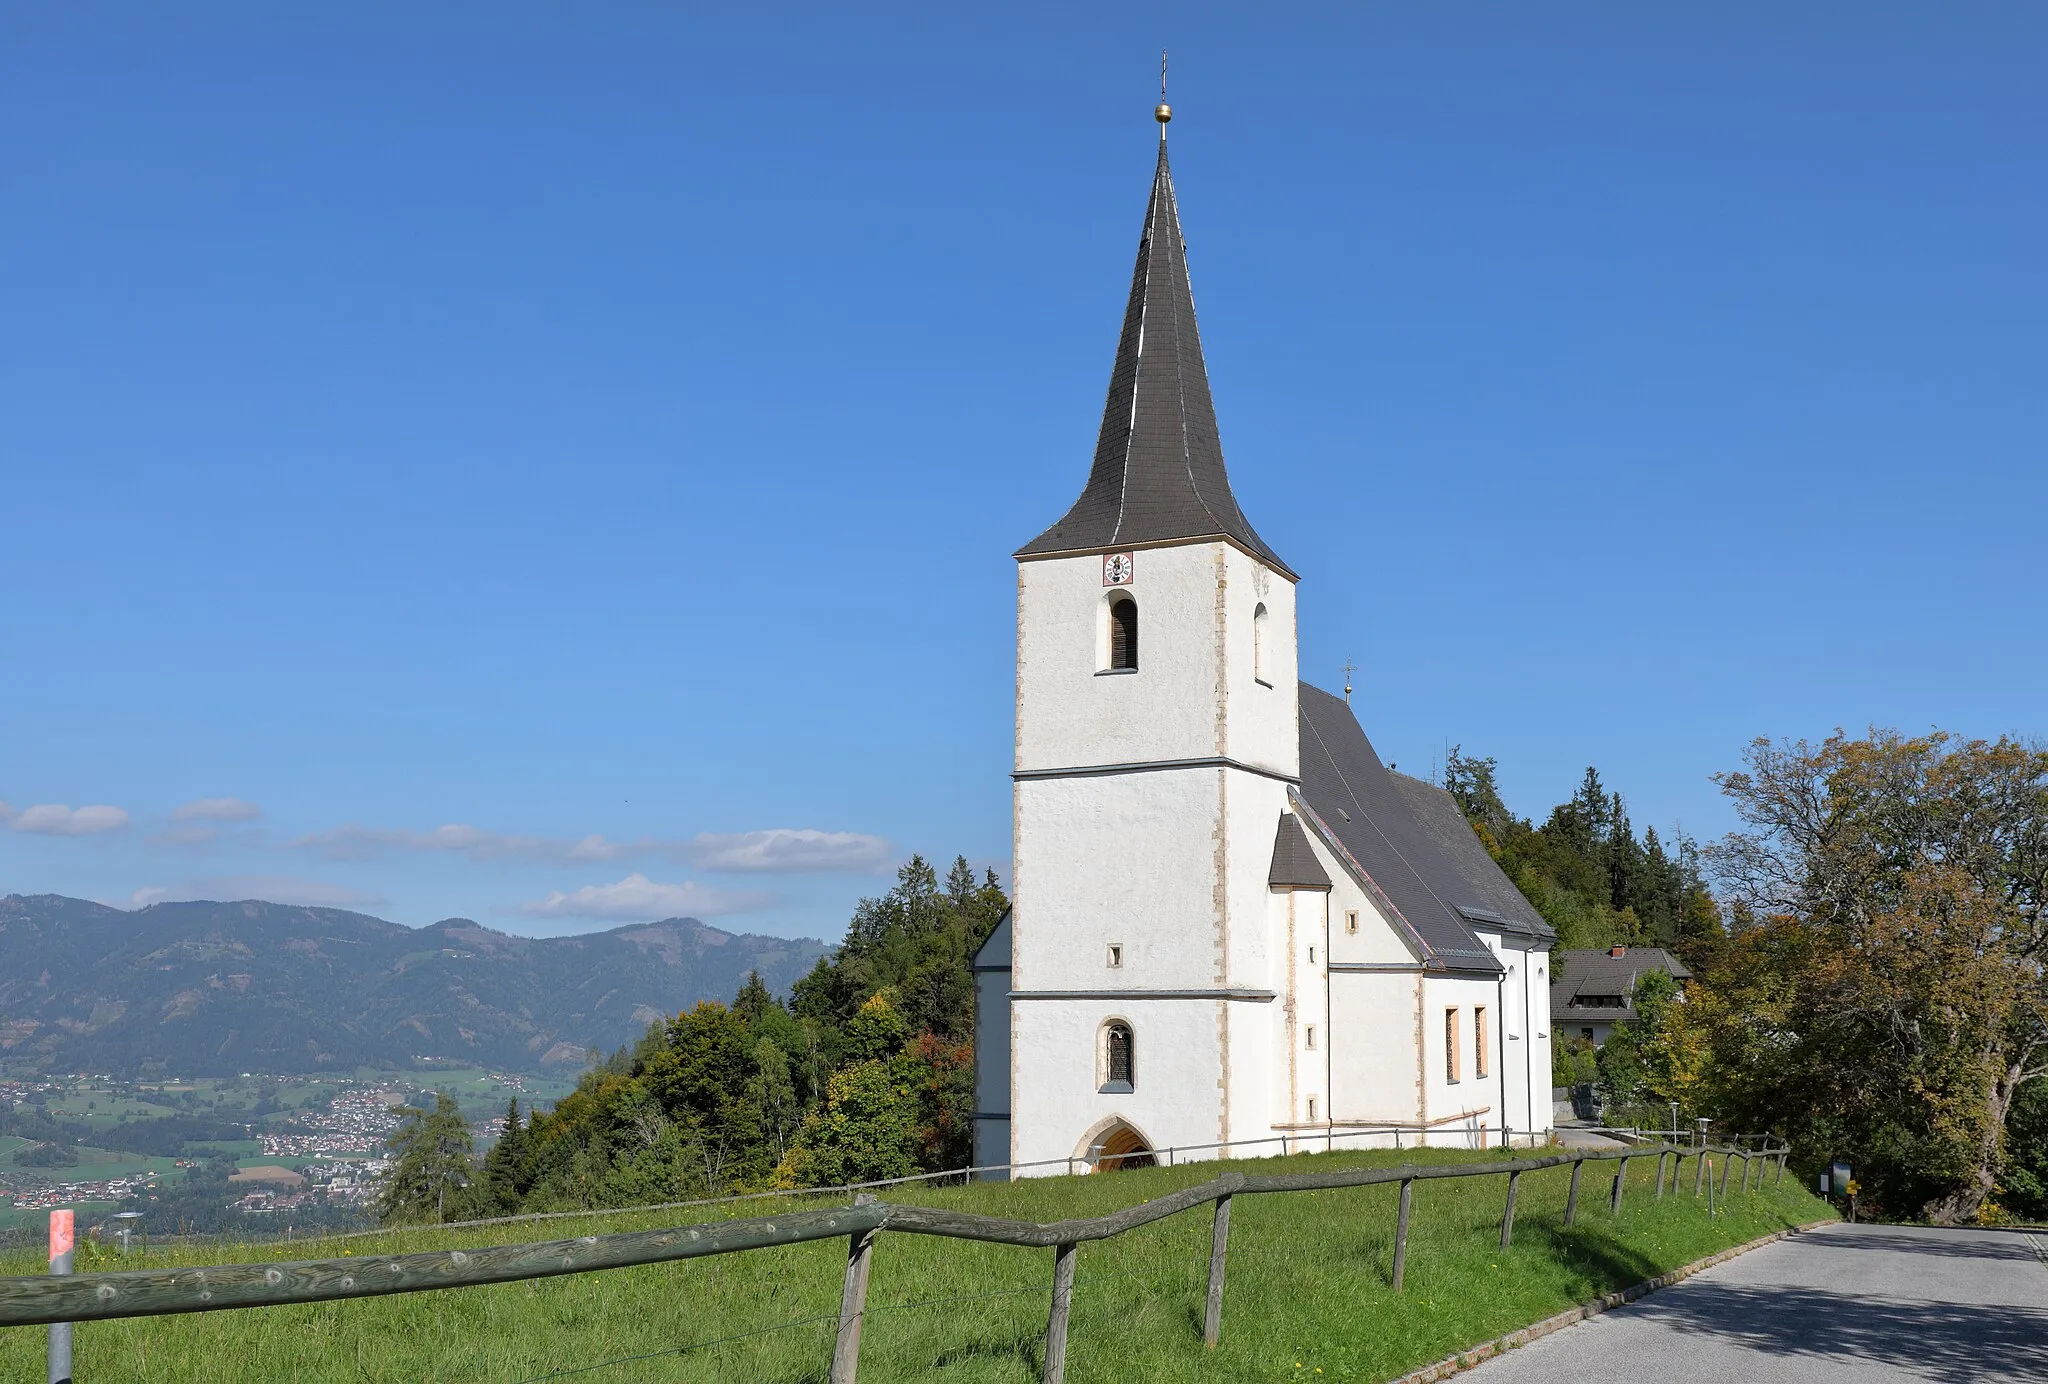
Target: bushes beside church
[865,1073]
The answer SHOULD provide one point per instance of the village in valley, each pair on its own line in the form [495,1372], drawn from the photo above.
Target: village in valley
[297,1144]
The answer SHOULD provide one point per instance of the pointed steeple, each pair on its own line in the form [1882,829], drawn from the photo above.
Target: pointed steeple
[1158,475]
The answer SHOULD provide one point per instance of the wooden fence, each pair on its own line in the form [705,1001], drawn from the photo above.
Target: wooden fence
[61,1298]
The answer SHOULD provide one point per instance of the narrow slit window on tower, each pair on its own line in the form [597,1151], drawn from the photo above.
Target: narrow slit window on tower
[1311,1107]
[1351,920]
[1117,1065]
[1262,657]
[1311,1043]
[1116,955]
[1123,633]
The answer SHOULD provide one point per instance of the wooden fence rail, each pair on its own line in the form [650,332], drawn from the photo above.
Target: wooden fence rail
[38,1301]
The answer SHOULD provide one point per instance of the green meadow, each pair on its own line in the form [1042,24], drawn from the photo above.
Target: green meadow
[1309,1295]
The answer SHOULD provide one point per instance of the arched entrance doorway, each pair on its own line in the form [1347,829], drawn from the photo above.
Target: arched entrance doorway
[1121,1147]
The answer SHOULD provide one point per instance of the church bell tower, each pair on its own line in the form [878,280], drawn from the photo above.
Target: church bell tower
[1156,740]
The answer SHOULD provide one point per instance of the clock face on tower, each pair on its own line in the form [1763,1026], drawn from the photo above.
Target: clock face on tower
[1118,569]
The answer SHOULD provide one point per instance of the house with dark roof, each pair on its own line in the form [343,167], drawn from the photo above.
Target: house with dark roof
[1234,929]
[1592,991]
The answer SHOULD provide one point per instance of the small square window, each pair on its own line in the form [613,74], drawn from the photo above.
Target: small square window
[1351,920]
[1116,955]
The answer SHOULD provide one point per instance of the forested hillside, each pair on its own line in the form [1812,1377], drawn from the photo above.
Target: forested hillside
[212,989]
[865,1072]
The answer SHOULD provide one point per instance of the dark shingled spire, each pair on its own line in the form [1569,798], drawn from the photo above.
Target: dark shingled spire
[1158,474]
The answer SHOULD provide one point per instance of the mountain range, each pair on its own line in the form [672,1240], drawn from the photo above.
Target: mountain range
[208,989]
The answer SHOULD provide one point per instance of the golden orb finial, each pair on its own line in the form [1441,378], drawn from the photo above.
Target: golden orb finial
[1163,114]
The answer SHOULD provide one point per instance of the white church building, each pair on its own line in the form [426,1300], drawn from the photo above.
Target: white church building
[1234,931]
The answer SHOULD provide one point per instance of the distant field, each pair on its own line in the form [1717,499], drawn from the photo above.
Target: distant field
[1308,1292]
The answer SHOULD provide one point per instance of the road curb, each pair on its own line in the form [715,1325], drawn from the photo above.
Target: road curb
[1466,1359]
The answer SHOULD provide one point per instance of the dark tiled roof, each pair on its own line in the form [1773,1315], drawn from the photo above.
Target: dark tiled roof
[1486,897]
[1294,860]
[1355,799]
[1158,473]
[1598,975]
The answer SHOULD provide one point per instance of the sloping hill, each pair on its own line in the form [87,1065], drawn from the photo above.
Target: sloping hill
[213,988]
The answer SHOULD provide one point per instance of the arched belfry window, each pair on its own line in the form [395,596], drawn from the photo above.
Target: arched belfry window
[1117,1066]
[1262,657]
[1123,633]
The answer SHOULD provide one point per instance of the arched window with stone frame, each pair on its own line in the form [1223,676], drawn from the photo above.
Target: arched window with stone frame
[1123,634]
[1118,1058]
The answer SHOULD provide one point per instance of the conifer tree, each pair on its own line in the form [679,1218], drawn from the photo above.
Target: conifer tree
[432,1164]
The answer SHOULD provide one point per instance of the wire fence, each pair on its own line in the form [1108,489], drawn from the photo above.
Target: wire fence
[62,1298]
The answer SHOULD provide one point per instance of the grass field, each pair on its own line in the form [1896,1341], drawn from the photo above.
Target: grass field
[1308,1299]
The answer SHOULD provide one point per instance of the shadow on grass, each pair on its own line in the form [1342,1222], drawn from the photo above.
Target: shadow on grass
[1026,1348]
[1594,1251]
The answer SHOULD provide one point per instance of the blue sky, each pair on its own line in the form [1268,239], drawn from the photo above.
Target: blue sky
[559,465]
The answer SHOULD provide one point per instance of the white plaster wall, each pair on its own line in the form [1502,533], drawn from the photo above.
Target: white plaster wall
[1475,1097]
[1538,973]
[1261,726]
[1301,1072]
[1177,1090]
[1251,1062]
[1252,804]
[1375,1070]
[1379,940]
[1127,858]
[1192,695]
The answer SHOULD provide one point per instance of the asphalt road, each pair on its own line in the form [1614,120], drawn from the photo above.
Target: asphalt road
[1846,1303]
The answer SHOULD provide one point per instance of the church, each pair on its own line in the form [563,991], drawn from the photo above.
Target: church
[1233,931]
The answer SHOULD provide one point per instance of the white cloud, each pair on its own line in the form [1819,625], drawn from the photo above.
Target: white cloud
[312,893]
[56,819]
[638,899]
[217,810]
[781,849]
[354,842]
[771,851]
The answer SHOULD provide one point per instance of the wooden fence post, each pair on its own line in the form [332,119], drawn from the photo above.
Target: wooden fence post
[1699,1172]
[1710,1192]
[1660,1175]
[62,1229]
[1571,1198]
[1781,1173]
[1401,1231]
[853,1299]
[1507,1218]
[1620,1177]
[1219,1248]
[1056,1324]
[1727,1166]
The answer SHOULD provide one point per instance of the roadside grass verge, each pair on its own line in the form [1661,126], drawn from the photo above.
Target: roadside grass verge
[1308,1294]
